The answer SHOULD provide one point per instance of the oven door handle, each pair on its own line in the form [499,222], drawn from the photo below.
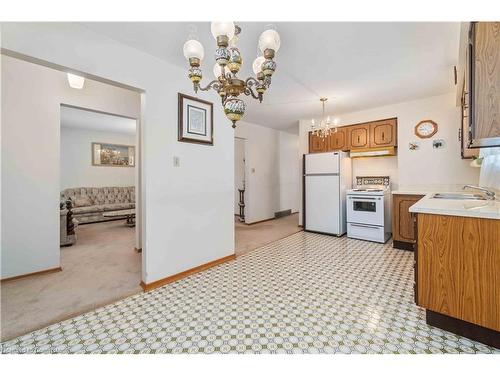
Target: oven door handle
[365,199]
[365,225]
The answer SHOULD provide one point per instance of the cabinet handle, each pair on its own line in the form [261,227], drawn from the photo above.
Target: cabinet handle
[358,138]
[382,135]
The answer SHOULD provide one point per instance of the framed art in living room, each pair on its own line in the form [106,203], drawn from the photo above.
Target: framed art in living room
[112,155]
[195,120]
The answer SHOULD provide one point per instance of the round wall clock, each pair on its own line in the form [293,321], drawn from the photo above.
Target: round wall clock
[426,129]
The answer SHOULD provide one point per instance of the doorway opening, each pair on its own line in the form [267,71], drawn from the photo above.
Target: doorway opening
[96,200]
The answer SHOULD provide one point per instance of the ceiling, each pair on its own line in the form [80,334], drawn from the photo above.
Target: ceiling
[75,118]
[357,65]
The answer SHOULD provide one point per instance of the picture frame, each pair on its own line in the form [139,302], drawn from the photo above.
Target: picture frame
[195,120]
[112,155]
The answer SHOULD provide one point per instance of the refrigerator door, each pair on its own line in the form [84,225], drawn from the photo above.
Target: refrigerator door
[322,163]
[322,204]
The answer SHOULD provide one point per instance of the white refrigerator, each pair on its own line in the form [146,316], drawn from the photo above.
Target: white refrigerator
[327,177]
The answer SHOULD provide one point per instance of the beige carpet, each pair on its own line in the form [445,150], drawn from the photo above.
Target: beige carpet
[102,267]
[251,237]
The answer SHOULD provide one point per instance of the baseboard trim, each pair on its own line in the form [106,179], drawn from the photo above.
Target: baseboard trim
[181,275]
[261,221]
[460,327]
[403,245]
[38,273]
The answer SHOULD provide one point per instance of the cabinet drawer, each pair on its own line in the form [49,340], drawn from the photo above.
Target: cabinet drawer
[366,232]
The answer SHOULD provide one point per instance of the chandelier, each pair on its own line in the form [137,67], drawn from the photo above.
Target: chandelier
[228,62]
[325,126]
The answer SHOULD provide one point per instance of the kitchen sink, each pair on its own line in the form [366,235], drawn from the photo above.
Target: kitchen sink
[464,196]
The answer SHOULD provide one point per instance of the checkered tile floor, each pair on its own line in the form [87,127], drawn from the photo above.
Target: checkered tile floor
[307,293]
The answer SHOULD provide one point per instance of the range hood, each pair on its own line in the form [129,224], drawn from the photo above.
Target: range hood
[370,152]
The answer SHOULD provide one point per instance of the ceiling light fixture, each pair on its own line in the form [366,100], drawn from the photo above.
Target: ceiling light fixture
[228,62]
[75,81]
[325,127]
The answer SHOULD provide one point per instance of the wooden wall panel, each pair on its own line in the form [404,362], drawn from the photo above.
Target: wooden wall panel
[459,268]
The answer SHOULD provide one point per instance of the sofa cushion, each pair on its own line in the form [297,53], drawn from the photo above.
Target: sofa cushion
[81,201]
[87,209]
[117,206]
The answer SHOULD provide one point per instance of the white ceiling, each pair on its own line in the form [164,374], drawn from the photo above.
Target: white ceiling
[358,65]
[75,118]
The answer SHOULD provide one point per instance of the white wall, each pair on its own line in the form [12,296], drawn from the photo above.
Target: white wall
[188,210]
[290,171]
[426,166]
[31,98]
[271,171]
[76,159]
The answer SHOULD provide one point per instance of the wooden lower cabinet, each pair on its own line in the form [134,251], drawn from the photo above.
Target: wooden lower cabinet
[458,268]
[403,231]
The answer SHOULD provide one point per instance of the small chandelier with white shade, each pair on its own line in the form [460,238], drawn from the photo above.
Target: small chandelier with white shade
[228,62]
[325,126]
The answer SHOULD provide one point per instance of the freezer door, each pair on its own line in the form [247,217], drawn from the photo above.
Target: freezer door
[322,204]
[322,163]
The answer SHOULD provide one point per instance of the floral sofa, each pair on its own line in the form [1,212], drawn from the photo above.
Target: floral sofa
[89,203]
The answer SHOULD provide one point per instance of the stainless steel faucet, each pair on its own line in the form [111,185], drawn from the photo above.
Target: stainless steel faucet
[490,194]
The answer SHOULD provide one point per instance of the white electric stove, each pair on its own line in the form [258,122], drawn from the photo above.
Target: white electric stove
[369,209]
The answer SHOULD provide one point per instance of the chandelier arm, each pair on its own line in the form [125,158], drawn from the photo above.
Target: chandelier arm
[249,92]
[250,81]
[215,84]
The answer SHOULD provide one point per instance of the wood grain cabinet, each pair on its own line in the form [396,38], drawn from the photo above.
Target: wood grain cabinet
[483,68]
[369,135]
[338,140]
[383,133]
[403,229]
[458,274]
[318,144]
[359,136]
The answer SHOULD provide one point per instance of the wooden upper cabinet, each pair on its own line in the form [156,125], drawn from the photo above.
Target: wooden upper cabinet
[377,134]
[359,136]
[383,133]
[318,144]
[338,140]
[484,83]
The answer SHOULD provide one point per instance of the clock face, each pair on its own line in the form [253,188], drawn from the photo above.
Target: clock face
[426,129]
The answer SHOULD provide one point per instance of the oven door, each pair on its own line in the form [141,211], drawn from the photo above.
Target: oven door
[365,210]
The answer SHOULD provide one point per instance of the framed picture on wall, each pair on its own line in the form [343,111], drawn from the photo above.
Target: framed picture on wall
[111,155]
[195,120]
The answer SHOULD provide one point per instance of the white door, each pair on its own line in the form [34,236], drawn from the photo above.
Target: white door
[322,163]
[322,204]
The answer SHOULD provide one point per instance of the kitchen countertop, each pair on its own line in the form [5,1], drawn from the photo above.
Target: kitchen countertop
[426,189]
[455,207]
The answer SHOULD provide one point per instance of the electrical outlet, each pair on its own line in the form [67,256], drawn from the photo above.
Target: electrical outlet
[177,162]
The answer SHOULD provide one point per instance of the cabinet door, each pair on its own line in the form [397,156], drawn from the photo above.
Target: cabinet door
[458,263]
[403,229]
[359,136]
[383,133]
[484,76]
[338,140]
[317,144]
